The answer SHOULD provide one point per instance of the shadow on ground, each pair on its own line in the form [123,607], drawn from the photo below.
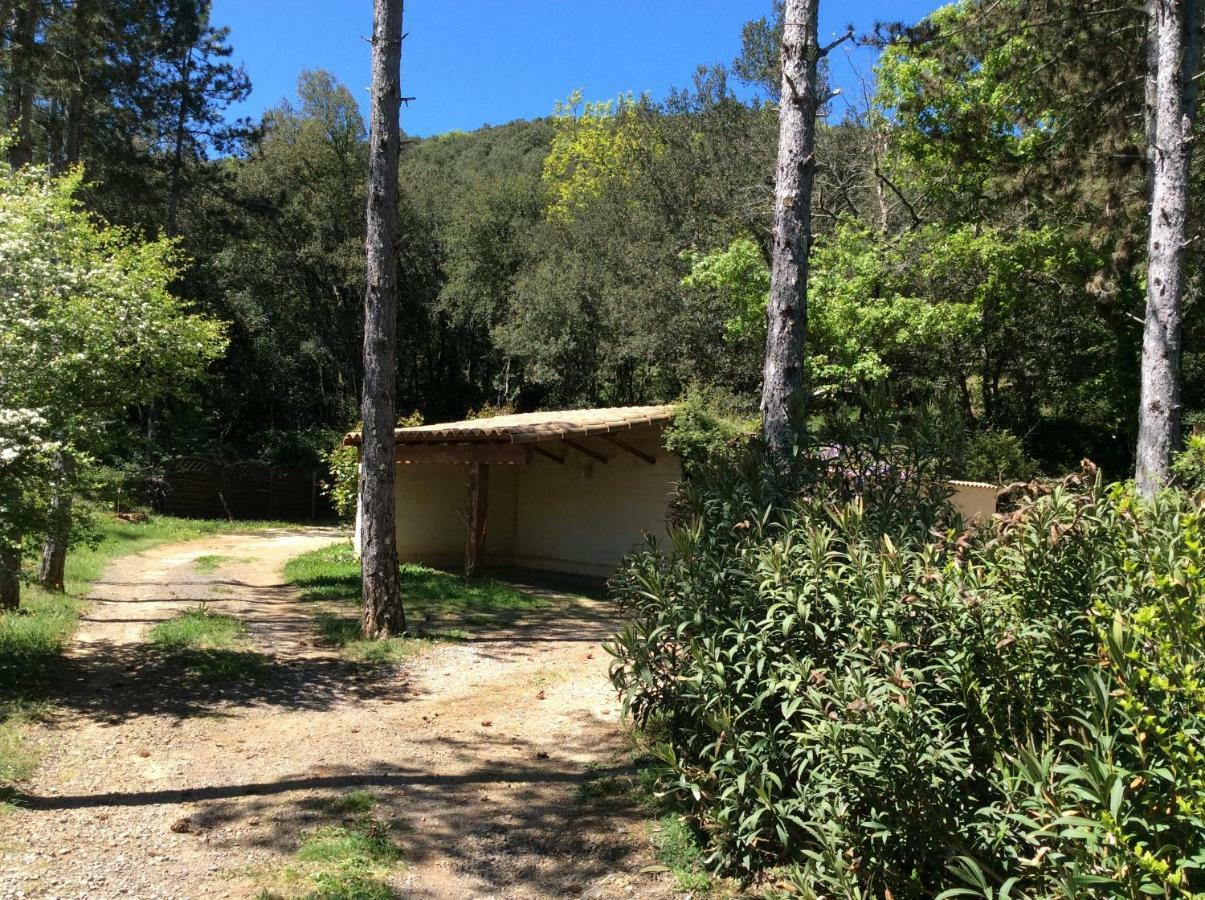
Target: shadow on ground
[510,812]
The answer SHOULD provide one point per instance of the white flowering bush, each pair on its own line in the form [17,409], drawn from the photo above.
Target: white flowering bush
[26,465]
[88,327]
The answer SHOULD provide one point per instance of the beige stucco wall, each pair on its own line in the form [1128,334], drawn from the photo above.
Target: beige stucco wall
[581,516]
[975,501]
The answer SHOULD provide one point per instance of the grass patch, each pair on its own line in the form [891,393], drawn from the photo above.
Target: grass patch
[601,788]
[198,629]
[210,645]
[32,638]
[678,849]
[332,575]
[211,562]
[344,632]
[17,759]
[359,802]
[351,861]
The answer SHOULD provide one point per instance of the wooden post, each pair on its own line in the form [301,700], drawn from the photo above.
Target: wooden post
[479,490]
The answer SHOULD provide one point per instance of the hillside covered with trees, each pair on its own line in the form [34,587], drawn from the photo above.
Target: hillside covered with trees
[979,217]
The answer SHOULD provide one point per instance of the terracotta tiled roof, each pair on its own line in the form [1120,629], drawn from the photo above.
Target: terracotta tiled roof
[528,427]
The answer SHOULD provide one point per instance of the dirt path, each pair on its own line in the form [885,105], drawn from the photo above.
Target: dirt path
[475,751]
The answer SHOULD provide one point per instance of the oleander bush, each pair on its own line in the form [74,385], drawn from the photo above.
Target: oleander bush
[881,706]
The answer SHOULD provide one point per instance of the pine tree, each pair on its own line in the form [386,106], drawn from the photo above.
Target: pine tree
[383,611]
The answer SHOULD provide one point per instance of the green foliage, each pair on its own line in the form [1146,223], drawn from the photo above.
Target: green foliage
[88,328]
[593,143]
[998,457]
[879,710]
[1188,467]
[740,275]
[488,410]
[88,324]
[26,475]
[707,426]
[344,486]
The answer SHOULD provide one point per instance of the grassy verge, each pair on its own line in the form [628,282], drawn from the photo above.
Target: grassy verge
[210,645]
[677,846]
[33,638]
[211,562]
[344,632]
[338,862]
[439,605]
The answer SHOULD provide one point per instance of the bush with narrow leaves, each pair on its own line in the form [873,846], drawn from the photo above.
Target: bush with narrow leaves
[878,707]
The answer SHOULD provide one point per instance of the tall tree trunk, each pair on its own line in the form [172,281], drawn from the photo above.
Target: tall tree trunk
[383,611]
[782,378]
[21,84]
[1176,53]
[85,20]
[54,550]
[176,170]
[10,581]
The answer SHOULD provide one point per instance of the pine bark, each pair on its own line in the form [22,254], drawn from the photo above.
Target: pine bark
[10,580]
[786,337]
[1176,53]
[383,612]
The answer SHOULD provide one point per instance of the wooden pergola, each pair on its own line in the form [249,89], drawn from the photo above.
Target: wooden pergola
[515,440]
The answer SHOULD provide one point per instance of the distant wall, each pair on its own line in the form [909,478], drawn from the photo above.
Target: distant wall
[975,501]
[581,516]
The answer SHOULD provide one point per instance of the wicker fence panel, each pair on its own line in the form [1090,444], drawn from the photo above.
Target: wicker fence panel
[208,489]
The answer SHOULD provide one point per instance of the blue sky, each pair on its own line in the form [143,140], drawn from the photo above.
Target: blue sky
[475,62]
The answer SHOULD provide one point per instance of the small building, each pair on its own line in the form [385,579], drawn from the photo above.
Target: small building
[568,491]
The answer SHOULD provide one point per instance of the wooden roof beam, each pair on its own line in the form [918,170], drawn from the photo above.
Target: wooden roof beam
[635,451]
[543,451]
[587,451]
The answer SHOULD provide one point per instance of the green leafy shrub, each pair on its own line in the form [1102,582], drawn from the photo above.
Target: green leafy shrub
[998,457]
[1189,465]
[877,708]
[706,426]
[344,486]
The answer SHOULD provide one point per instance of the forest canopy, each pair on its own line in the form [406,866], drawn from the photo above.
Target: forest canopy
[979,229]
